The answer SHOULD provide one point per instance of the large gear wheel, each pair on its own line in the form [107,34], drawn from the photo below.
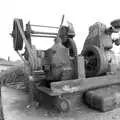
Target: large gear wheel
[96,62]
[17,38]
[73,53]
[73,48]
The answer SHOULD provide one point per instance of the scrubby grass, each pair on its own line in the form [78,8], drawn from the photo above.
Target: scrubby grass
[16,77]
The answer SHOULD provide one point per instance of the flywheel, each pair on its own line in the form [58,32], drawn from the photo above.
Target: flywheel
[96,62]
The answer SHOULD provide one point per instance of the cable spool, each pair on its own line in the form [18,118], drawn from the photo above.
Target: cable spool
[96,62]
[17,38]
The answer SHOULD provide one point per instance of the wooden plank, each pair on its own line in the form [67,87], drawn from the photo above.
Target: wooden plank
[81,67]
[71,86]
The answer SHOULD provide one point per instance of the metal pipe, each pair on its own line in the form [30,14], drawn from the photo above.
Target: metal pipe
[45,26]
[43,36]
[49,33]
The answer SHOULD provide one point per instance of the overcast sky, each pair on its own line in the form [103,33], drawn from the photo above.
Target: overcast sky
[82,13]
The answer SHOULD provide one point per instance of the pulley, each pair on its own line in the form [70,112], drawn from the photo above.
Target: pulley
[17,38]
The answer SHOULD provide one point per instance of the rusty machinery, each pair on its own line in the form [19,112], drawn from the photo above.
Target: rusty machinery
[97,50]
[59,72]
[52,62]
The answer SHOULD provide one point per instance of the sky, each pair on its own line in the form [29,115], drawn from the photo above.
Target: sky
[81,13]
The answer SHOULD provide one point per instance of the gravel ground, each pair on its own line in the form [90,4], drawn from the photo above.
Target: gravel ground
[17,110]
[84,113]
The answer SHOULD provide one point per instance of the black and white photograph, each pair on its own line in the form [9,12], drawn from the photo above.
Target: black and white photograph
[59,60]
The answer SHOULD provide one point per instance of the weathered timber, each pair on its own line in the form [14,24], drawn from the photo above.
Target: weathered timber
[82,85]
[81,67]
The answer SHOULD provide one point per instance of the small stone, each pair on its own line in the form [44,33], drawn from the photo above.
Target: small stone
[45,114]
[116,117]
[28,106]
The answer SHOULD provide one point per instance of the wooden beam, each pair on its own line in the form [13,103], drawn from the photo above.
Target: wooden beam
[81,67]
[84,84]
